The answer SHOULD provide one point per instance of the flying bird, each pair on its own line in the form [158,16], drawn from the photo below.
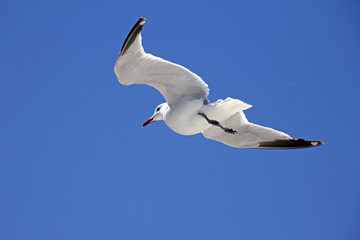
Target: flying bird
[187,110]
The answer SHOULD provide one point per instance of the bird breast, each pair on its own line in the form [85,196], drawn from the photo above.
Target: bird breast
[183,117]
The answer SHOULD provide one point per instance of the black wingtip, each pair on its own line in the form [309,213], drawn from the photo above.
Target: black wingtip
[289,144]
[132,35]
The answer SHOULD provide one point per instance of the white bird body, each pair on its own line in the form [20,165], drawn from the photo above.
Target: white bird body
[187,110]
[182,117]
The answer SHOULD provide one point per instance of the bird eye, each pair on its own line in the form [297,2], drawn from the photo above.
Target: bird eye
[158,109]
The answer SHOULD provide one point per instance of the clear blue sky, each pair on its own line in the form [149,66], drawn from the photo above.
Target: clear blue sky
[75,162]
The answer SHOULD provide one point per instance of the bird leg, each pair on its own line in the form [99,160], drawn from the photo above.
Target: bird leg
[216,123]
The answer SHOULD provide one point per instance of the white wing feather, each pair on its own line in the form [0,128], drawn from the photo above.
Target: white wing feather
[134,66]
[248,135]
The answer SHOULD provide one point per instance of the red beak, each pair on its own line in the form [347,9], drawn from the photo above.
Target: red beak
[150,120]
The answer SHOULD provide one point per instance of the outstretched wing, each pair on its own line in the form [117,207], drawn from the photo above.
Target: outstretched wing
[249,135]
[134,66]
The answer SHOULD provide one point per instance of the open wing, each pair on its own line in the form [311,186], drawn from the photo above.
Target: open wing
[134,66]
[249,135]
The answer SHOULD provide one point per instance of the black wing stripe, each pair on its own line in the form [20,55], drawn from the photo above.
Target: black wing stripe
[132,35]
[289,144]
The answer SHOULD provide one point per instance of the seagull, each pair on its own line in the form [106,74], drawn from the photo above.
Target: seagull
[187,110]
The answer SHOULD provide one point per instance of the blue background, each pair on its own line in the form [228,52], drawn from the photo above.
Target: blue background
[76,163]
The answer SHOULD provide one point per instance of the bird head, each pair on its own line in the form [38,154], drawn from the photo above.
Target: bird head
[158,114]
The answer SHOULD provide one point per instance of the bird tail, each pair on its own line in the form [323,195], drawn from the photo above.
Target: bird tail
[233,104]
[223,109]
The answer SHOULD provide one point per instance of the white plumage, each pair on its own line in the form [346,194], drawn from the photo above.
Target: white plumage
[187,110]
